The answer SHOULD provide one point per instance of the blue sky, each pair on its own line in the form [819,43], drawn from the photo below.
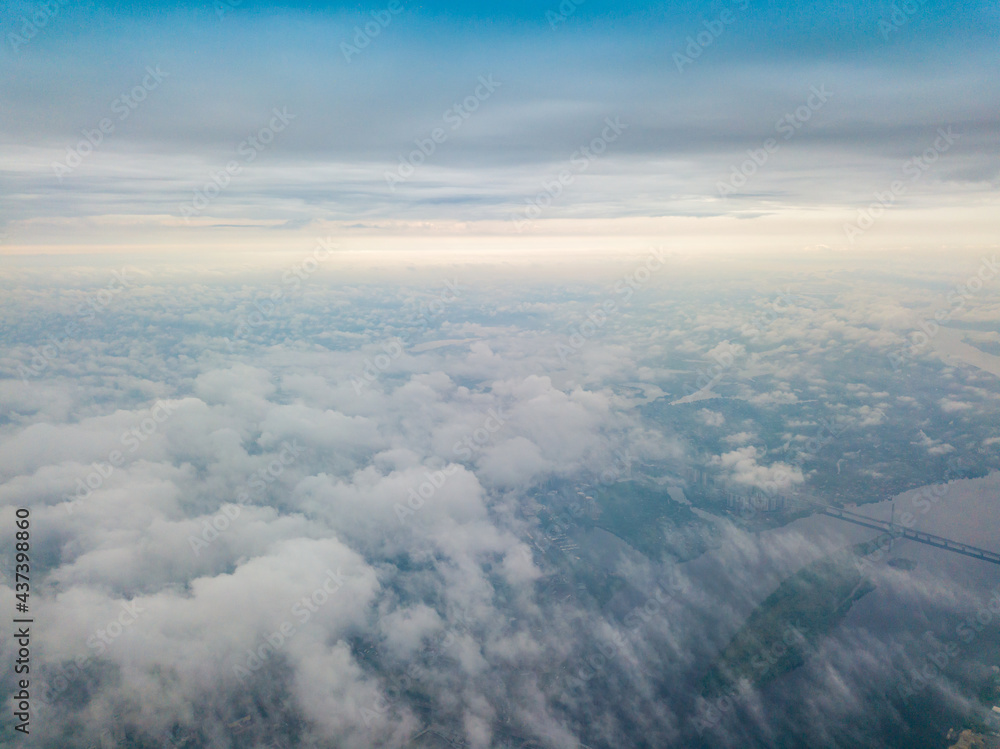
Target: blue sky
[357,112]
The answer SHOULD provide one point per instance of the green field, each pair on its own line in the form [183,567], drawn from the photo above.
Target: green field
[648,520]
[784,628]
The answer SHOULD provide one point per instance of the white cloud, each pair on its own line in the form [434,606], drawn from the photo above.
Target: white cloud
[711,418]
[742,468]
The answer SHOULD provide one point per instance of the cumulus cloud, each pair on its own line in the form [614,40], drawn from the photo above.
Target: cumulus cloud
[952,405]
[236,544]
[742,468]
[711,418]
